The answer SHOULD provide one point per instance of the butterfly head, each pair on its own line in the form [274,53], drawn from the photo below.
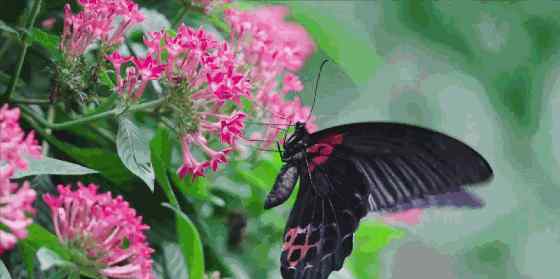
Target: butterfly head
[296,142]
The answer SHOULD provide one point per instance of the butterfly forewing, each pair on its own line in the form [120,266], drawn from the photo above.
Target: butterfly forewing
[352,169]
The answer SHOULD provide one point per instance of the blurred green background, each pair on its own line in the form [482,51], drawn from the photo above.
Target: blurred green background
[484,72]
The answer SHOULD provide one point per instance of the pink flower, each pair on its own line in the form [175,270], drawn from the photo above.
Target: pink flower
[16,203]
[232,127]
[48,23]
[117,60]
[105,229]
[292,83]
[14,144]
[190,164]
[16,208]
[152,40]
[227,85]
[137,77]
[215,82]
[274,48]
[96,22]
[148,68]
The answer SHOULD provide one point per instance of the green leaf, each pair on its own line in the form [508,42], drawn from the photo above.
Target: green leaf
[4,274]
[134,151]
[189,240]
[174,261]
[48,41]
[28,257]
[160,165]
[161,144]
[370,240]
[6,28]
[48,259]
[197,189]
[48,165]
[107,163]
[40,237]
[106,79]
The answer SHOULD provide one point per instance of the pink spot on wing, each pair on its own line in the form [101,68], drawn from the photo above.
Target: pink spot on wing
[290,246]
[323,149]
[410,217]
[333,139]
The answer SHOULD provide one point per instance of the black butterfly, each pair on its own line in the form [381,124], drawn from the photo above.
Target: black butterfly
[349,170]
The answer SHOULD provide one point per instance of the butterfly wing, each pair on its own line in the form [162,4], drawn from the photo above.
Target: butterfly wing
[401,165]
[318,235]
[356,168]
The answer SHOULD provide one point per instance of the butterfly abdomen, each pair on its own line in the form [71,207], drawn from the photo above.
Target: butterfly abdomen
[283,187]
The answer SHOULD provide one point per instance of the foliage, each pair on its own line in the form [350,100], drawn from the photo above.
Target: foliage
[487,77]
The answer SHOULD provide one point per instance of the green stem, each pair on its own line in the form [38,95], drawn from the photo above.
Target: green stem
[50,119]
[186,7]
[5,46]
[91,118]
[179,17]
[30,101]
[26,43]
[6,79]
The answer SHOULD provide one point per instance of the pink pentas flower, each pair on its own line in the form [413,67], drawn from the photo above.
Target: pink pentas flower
[275,49]
[97,21]
[209,80]
[48,23]
[148,68]
[232,127]
[137,75]
[16,203]
[16,209]
[117,60]
[106,230]
[14,144]
[190,163]
[292,83]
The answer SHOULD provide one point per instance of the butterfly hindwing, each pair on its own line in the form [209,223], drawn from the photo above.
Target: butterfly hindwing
[319,232]
[352,169]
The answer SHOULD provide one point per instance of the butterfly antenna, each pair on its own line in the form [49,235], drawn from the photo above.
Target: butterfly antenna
[268,124]
[315,89]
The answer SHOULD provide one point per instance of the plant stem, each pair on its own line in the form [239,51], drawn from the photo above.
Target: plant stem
[179,17]
[91,118]
[50,119]
[26,43]
[6,79]
[5,46]
[186,7]
[30,101]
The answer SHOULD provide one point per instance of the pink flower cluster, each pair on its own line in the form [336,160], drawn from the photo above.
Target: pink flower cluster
[275,49]
[106,229]
[216,83]
[97,21]
[136,77]
[16,203]
[16,206]
[207,75]
[213,76]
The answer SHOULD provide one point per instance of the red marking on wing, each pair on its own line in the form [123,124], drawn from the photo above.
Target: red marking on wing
[290,245]
[323,149]
[333,139]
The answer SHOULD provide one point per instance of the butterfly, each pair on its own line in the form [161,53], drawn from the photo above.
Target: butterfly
[347,171]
